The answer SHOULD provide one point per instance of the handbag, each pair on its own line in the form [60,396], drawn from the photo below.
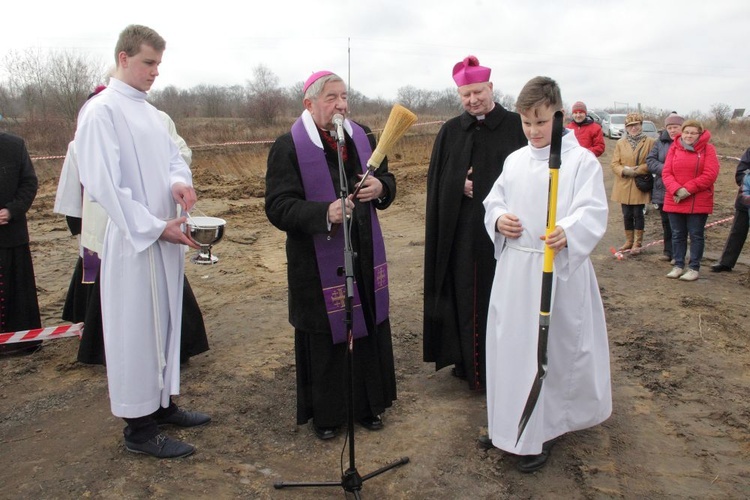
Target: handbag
[644,182]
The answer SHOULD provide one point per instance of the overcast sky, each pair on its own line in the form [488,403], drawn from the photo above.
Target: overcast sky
[683,55]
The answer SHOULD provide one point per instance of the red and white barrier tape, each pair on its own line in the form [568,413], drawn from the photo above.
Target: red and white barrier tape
[233,143]
[619,255]
[52,332]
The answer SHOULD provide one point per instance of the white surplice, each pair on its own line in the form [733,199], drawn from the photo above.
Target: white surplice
[70,201]
[128,163]
[576,392]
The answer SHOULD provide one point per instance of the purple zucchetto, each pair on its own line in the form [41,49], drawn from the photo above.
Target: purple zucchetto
[315,77]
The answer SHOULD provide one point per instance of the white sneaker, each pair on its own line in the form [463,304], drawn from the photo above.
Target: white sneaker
[690,275]
[676,272]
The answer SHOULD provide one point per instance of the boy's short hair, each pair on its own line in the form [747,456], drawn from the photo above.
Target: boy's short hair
[539,91]
[135,35]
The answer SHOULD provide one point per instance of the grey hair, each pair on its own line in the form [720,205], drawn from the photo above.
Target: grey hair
[314,90]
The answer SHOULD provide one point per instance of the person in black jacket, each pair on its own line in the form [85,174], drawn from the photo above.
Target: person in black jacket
[738,232]
[459,262]
[302,189]
[19,308]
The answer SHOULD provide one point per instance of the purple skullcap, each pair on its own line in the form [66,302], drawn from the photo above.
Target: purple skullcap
[315,77]
[469,71]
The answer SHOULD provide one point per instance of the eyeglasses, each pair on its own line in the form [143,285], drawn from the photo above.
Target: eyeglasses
[690,133]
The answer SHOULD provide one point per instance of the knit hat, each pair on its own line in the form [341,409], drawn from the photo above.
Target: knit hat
[673,119]
[313,78]
[469,71]
[579,106]
[633,118]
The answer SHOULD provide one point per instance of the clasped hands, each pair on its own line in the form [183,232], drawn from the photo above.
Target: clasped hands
[371,189]
[629,172]
[4,216]
[680,195]
[510,226]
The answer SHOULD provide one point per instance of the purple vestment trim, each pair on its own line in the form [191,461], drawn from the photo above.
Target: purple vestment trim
[91,263]
[318,186]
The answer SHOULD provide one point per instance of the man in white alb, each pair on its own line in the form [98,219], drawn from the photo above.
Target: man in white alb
[130,166]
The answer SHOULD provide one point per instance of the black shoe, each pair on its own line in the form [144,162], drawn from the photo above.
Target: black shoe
[372,423]
[458,371]
[720,268]
[161,446]
[485,443]
[325,433]
[531,463]
[184,418]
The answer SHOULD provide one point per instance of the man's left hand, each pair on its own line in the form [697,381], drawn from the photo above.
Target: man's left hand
[4,216]
[372,189]
[556,239]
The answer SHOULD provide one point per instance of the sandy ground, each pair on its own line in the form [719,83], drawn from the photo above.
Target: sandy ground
[679,366]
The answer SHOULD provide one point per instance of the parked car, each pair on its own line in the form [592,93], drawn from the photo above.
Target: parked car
[649,129]
[603,115]
[595,116]
[614,126]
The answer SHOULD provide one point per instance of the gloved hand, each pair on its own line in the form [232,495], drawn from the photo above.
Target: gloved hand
[680,195]
[628,172]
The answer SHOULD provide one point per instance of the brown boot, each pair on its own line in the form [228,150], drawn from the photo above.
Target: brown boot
[637,243]
[628,242]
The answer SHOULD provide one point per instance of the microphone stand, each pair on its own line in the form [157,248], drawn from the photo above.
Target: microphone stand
[351,480]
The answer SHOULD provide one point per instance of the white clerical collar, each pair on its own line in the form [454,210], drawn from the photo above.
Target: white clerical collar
[312,129]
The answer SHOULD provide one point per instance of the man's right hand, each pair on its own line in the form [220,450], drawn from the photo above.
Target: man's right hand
[173,233]
[334,210]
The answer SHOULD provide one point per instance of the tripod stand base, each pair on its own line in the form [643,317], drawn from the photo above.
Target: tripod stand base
[351,481]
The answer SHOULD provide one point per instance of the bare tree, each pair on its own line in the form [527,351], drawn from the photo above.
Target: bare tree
[27,80]
[72,77]
[8,104]
[53,84]
[266,98]
[722,113]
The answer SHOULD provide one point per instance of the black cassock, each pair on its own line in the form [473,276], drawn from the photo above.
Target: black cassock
[83,304]
[19,308]
[459,263]
[320,364]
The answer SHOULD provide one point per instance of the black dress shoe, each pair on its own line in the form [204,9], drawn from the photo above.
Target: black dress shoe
[720,268]
[485,443]
[458,371]
[531,463]
[325,433]
[161,446]
[372,423]
[184,418]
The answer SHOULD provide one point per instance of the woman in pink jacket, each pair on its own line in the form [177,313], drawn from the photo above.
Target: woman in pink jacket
[690,171]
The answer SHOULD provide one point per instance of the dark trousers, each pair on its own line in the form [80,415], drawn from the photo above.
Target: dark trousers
[633,217]
[736,239]
[141,429]
[667,229]
[682,226]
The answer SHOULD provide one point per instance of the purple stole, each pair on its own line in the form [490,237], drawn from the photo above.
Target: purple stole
[318,186]
[91,263]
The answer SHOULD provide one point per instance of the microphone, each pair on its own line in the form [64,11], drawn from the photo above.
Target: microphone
[338,120]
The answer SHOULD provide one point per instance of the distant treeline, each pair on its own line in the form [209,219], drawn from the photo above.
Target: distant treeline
[44,90]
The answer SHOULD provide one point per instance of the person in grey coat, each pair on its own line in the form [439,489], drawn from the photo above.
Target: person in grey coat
[655,162]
